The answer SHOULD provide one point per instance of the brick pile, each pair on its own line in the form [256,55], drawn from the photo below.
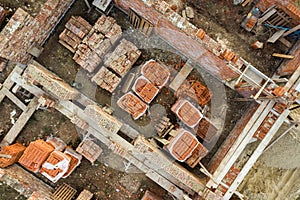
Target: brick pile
[50,161]
[35,73]
[186,112]
[133,105]
[76,29]
[89,149]
[195,90]
[15,151]
[156,73]
[90,43]
[23,31]
[106,79]
[145,89]
[123,57]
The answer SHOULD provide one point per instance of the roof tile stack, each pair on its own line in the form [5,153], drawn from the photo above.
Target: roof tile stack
[36,73]
[23,31]
[106,79]
[14,151]
[133,105]
[35,155]
[123,57]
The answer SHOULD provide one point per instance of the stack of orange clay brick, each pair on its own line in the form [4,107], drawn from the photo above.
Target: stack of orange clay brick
[48,158]
[145,89]
[196,91]
[24,31]
[133,105]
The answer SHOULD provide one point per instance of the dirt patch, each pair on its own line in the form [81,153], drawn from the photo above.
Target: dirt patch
[7,192]
[30,6]
[221,21]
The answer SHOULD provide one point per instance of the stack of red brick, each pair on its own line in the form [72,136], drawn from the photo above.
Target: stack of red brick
[106,79]
[90,44]
[23,31]
[133,105]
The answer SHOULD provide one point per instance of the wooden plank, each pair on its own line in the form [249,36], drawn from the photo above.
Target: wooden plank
[181,76]
[242,141]
[276,36]
[266,16]
[296,28]
[283,55]
[246,2]
[20,123]
[256,154]
[285,42]
[14,99]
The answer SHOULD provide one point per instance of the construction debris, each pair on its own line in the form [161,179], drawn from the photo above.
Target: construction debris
[10,154]
[106,79]
[123,57]
[133,105]
[257,45]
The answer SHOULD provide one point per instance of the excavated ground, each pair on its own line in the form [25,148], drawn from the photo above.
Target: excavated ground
[220,19]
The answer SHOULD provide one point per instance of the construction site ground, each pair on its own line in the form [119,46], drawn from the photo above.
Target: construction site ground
[106,178]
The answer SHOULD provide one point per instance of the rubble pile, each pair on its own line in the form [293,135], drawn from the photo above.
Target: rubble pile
[106,79]
[23,31]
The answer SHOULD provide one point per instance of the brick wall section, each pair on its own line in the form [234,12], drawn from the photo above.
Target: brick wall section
[185,37]
[23,31]
[287,6]
[234,134]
